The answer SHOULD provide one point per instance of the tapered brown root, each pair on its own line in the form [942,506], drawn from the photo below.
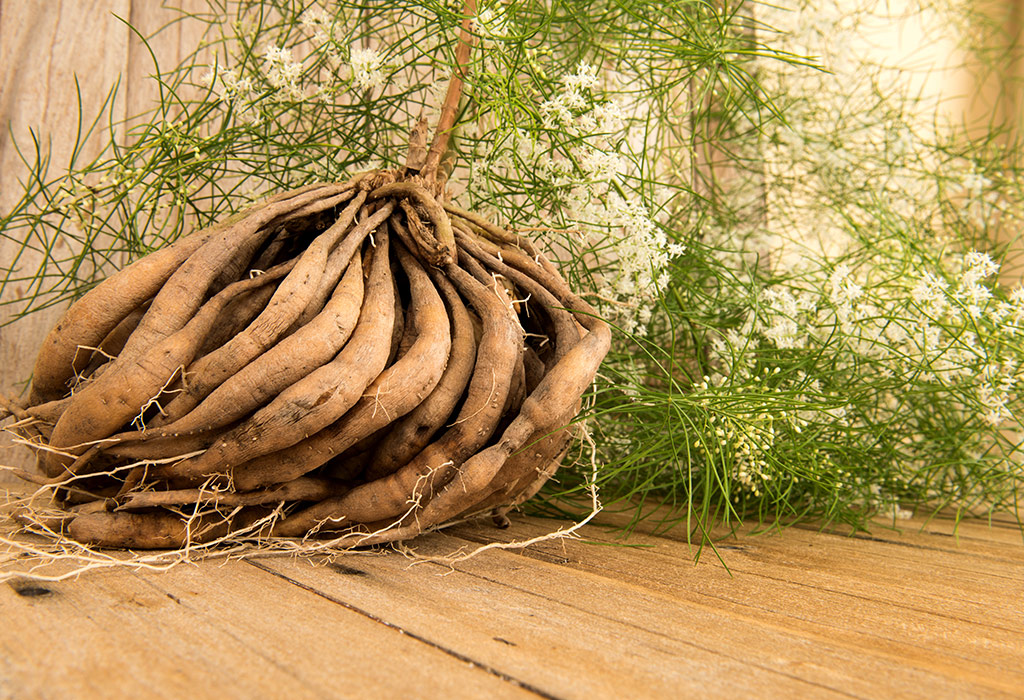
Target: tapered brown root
[311,346]
[397,390]
[127,389]
[319,398]
[288,302]
[412,433]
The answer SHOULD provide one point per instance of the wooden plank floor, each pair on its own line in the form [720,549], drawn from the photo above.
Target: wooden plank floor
[800,613]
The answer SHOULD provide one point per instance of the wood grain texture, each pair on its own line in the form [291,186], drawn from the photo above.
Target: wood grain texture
[44,48]
[224,631]
[38,54]
[912,614]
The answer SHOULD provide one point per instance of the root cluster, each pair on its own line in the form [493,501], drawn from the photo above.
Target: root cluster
[360,361]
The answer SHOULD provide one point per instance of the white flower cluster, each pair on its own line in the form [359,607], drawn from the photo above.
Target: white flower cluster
[973,296]
[923,330]
[491,25]
[861,133]
[281,78]
[1010,314]
[366,66]
[592,182]
[996,391]
[930,294]
[747,440]
[283,74]
[843,292]
[784,315]
[926,344]
[243,93]
[317,22]
[962,331]
[750,441]
[229,87]
[637,248]
[574,109]
[279,71]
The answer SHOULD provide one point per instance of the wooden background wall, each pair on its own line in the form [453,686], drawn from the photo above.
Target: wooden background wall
[44,44]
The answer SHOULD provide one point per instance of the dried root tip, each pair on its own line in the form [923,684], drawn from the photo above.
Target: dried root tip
[11,407]
[142,530]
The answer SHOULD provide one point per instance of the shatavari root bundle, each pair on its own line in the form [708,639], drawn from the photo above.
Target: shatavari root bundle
[359,360]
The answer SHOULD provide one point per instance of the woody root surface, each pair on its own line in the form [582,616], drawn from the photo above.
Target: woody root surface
[351,363]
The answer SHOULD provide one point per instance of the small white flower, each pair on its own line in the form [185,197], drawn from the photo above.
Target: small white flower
[784,309]
[574,99]
[555,113]
[975,183]
[610,118]
[843,290]
[602,165]
[313,17]
[975,298]
[492,24]
[585,78]
[979,266]
[209,76]
[930,294]
[318,22]
[282,72]
[366,65]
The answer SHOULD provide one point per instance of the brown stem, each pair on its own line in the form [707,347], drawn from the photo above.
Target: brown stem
[451,99]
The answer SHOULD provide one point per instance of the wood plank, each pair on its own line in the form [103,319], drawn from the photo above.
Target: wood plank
[1002,544]
[567,620]
[171,37]
[44,46]
[990,591]
[971,530]
[863,671]
[899,612]
[219,630]
[606,604]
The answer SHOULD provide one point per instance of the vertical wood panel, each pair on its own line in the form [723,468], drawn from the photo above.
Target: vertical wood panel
[993,84]
[43,47]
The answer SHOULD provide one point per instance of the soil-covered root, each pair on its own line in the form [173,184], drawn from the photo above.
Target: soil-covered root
[309,347]
[125,390]
[529,468]
[555,397]
[289,301]
[183,292]
[398,390]
[95,315]
[497,354]
[319,398]
[159,529]
[408,436]
[300,489]
[561,320]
